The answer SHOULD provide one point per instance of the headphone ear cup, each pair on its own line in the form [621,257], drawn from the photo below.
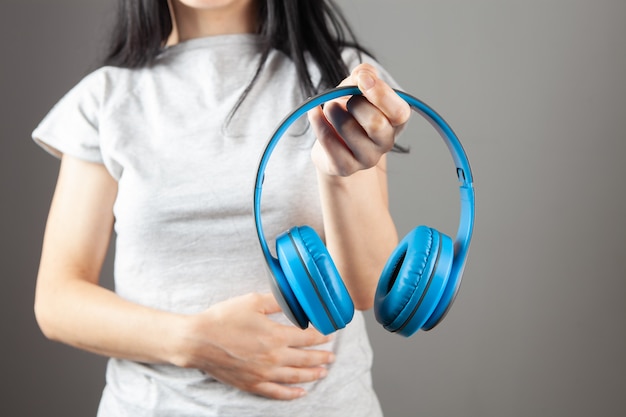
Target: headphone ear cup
[285,297]
[314,279]
[413,280]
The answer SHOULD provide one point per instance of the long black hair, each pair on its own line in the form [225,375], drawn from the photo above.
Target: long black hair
[295,27]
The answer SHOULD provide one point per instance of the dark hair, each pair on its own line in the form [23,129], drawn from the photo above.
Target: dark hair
[295,27]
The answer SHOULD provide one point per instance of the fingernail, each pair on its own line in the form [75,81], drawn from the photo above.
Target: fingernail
[365,80]
[331,358]
[323,373]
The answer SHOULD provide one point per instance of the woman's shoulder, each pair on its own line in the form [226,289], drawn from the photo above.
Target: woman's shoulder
[352,57]
[90,96]
[106,80]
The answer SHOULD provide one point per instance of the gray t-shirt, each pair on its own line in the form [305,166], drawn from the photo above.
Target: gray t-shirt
[185,236]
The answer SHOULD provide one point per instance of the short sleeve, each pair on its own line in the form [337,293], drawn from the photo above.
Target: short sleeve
[72,125]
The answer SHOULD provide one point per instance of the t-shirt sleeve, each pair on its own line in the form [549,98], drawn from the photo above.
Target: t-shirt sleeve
[72,125]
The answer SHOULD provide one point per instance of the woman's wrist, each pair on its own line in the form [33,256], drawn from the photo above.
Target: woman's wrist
[179,349]
[336,183]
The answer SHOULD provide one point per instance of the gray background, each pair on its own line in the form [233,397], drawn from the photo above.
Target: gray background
[537,92]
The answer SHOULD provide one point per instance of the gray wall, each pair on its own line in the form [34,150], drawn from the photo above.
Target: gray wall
[537,92]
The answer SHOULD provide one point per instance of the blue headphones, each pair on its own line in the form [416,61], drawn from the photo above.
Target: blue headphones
[421,278]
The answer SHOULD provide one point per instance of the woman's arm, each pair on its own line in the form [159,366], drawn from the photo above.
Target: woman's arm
[70,306]
[360,233]
[254,354]
[353,137]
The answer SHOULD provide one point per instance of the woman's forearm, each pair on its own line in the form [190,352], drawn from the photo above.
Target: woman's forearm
[70,305]
[90,317]
[360,233]
[353,136]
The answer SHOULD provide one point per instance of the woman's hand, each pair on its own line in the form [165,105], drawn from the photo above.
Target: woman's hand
[235,342]
[354,133]
[353,136]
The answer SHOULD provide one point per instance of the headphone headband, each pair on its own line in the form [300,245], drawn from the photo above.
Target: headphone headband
[463,172]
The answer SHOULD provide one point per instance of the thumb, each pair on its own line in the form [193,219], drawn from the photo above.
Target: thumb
[366,79]
[267,304]
[381,95]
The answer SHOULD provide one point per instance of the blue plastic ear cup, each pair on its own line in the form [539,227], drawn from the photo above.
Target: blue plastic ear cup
[286,298]
[313,279]
[413,280]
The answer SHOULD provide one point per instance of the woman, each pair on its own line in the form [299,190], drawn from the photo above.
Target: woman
[160,144]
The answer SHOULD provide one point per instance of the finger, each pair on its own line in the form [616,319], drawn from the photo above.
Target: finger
[355,134]
[373,122]
[267,304]
[277,391]
[381,95]
[342,161]
[306,358]
[343,100]
[293,375]
[296,337]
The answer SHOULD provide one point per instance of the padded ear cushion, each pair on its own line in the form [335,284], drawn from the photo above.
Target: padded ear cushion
[413,280]
[314,279]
